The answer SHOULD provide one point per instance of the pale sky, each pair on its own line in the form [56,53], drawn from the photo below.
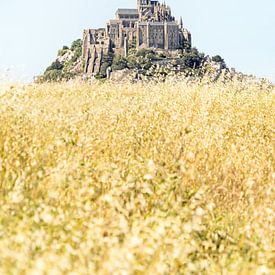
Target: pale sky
[32,31]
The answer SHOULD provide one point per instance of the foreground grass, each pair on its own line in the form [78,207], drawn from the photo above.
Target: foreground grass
[133,179]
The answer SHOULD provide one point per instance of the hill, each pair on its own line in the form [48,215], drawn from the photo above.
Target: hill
[144,64]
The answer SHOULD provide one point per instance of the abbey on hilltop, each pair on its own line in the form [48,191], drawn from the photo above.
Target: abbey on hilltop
[151,25]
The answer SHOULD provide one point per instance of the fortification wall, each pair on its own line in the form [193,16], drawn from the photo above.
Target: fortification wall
[156,35]
[173,36]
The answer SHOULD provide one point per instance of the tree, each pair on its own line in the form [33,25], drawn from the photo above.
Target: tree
[219,59]
[77,49]
[53,75]
[119,63]
[76,44]
[145,52]
[192,59]
[56,65]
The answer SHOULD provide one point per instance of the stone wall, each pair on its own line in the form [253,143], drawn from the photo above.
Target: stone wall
[142,34]
[95,45]
[156,35]
[172,36]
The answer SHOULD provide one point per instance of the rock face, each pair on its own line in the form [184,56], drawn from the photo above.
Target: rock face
[66,57]
[68,64]
[125,75]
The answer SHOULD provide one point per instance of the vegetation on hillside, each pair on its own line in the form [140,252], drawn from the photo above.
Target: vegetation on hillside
[137,179]
[67,65]
[152,63]
[146,62]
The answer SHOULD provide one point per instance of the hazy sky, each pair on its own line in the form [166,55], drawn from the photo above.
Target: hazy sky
[241,31]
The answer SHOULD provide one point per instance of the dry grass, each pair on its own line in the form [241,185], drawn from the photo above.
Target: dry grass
[137,179]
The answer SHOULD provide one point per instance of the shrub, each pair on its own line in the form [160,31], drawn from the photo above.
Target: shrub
[119,63]
[145,52]
[192,59]
[63,50]
[219,59]
[77,49]
[56,65]
[53,75]
[76,44]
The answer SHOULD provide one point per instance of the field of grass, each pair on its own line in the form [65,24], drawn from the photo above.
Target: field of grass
[137,179]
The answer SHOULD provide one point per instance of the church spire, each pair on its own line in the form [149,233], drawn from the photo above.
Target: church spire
[181,23]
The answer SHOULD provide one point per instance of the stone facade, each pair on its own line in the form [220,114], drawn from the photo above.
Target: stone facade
[151,25]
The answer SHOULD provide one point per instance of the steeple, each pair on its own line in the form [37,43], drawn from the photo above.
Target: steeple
[181,23]
[142,3]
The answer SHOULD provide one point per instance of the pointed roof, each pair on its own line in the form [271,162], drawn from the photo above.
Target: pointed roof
[181,22]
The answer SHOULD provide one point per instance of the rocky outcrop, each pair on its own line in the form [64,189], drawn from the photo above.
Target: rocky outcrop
[68,64]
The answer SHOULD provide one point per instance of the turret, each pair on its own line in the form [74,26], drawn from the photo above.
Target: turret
[144,9]
[181,23]
[141,3]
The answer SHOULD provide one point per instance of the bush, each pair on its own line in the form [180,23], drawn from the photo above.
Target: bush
[56,65]
[77,49]
[219,59]
[187,46]
[145,52]
[132,62]
[53,75]
[192,59]
[119,63]
[63,50]
[76,45]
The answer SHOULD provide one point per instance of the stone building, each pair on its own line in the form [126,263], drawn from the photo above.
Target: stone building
[151,25]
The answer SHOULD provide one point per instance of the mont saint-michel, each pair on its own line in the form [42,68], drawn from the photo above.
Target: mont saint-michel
[150,25]
[136,153]
[146,42]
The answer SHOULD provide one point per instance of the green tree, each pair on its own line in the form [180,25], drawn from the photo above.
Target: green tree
[76,44]
[56,65]
[192,59]
[53,75]
[219,59]
[145,52]
[77,49]
[119,63]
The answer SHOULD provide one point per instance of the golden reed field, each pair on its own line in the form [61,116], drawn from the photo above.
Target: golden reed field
[137,179]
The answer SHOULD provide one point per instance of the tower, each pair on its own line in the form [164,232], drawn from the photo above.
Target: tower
[141,3]
[144,9]
[181,23]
